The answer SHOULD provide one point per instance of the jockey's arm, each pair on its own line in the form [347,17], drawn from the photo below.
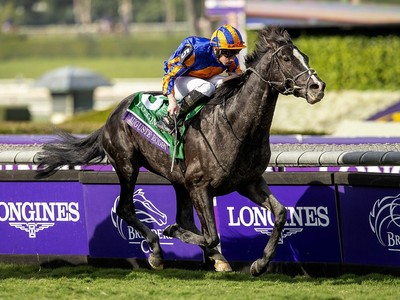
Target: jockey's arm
[168,87]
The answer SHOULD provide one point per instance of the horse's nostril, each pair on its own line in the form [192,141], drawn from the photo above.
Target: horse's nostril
[315,86]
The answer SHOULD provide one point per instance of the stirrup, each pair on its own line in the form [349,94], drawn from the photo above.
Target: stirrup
[166,123]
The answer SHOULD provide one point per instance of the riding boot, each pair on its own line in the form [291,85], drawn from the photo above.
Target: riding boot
[190,100]
[167,123]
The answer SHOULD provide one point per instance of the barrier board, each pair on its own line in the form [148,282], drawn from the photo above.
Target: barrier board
[347,218]
[42,218]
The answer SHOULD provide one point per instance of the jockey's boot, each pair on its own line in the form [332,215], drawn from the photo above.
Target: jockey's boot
[167,123]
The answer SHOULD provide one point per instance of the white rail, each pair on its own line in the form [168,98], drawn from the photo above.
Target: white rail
[278,158]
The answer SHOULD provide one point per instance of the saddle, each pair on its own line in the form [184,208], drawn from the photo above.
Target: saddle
[145,110]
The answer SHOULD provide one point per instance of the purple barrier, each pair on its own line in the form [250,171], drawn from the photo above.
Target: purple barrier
[109,236]
[370,219]
[42,218]
[348,218]
[311,232]
[25,138]
[333,140]
[358,169]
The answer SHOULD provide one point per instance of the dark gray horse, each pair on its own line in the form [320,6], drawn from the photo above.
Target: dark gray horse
[226,149]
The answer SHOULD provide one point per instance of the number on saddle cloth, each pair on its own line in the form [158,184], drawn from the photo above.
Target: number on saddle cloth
[155,104]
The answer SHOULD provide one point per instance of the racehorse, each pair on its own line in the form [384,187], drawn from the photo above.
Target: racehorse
[226,149]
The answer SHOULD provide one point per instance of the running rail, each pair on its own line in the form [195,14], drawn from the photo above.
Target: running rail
[29,157]
[334,158]
[304,158]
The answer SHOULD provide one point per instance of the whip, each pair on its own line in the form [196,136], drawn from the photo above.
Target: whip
[175,134]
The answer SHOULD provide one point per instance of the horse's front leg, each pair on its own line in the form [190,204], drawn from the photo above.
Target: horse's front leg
[186,230]
[259,193]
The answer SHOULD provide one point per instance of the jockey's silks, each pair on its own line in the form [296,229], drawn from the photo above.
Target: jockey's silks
[194,57]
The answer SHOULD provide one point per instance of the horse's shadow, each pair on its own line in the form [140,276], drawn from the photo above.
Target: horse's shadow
[106,248]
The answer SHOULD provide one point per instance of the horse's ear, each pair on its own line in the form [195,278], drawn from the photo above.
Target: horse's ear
[286,35]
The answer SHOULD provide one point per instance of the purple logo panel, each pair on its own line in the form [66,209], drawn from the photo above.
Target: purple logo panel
[110,236]
[370,218]
[310,234]
[42,218]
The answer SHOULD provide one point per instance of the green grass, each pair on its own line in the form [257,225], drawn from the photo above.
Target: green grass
[85,282]
[112,67]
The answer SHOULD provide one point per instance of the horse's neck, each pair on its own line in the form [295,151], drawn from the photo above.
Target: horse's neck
[252,109]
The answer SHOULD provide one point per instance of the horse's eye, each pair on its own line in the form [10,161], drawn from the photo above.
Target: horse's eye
[286,58]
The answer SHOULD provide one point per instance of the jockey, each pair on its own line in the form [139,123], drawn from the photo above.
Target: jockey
[193,71]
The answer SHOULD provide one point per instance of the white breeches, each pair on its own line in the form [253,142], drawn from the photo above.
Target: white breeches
[185,84]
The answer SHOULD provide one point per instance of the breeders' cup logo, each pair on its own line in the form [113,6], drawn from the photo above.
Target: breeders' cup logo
[148,213]
[33,217]
[384,220]
[262,219]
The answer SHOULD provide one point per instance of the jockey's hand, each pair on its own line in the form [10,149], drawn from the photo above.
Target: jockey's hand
[173,108]
[231,76]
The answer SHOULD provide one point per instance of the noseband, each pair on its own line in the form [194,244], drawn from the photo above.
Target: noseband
[288,85]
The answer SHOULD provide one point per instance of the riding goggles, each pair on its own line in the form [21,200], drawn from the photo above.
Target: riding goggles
[229,53]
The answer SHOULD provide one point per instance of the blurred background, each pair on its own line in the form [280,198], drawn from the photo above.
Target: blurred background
[69,62]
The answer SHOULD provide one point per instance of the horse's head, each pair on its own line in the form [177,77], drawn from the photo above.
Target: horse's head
[280,63]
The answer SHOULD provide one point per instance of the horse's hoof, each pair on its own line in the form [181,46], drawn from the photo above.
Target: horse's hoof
[222,266]
[256,269]
[155,262]
[170,230]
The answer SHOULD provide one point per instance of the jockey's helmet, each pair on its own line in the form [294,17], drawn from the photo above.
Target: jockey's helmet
[227,37]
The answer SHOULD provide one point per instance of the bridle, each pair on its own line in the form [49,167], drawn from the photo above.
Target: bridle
[288,85]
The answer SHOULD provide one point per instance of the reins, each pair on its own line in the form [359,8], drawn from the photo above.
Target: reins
[225,116]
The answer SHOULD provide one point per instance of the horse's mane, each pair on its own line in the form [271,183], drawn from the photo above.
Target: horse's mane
[266,38]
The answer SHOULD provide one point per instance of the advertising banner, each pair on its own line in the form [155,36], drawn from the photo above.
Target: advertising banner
[370,218]
[70,217]
[110,237]
[310,233]
[42,218]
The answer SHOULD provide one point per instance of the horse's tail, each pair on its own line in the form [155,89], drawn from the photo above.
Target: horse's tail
[71,151]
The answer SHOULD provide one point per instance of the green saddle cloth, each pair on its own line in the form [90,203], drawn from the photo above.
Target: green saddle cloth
[144,112]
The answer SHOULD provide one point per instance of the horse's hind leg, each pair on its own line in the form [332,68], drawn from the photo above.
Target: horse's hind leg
[186,230]
[127,174]
[260,194]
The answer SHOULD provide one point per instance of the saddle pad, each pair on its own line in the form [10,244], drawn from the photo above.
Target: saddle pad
[144,112]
